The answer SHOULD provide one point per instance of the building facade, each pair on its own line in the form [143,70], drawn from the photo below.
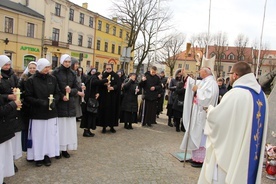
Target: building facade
[21,34]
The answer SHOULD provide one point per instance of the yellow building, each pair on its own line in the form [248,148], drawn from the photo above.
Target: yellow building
[21,33]
[110,40]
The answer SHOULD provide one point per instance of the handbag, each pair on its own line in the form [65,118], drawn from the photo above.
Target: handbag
[180,103]
[92,105]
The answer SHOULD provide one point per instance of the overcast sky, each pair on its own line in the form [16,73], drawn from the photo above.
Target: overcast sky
[230,16]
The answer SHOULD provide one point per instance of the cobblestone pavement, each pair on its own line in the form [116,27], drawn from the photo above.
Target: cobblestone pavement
[142,156]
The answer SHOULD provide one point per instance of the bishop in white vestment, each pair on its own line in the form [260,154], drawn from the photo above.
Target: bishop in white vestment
[206,94]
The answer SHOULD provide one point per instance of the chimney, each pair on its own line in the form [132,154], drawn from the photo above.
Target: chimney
[85,5]
[115,19]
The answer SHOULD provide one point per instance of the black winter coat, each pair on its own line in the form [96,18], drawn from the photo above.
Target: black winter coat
[6,126]
[152,81]
[130,102]
[179,96]
[8,82]
[38,89]
[66,77]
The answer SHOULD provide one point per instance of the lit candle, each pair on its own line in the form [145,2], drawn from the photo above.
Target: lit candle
[67,94]
[136,90]
[108,78]
[51,98]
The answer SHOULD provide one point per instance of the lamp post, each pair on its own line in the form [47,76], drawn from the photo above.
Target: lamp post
[45,49]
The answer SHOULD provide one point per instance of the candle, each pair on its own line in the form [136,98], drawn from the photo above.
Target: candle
[51,98]
[82,98]
[136,90]
[67,94]
[108,78]
[17,93]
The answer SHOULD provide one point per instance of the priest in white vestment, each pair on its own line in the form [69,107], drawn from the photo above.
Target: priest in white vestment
[198,96]
[236,132]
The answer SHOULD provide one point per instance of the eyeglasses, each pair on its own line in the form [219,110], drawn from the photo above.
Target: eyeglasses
[108,68]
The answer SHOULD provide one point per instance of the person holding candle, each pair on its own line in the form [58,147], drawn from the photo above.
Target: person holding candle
[67,82]
[129,106]
[109,100]
[6,133]
[9,81]
[25,111]
[43,136]
[89,119]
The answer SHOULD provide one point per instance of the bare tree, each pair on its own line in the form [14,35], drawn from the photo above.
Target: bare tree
[220,43]
[171,48]
[255,52]
[241,43]
[144,19]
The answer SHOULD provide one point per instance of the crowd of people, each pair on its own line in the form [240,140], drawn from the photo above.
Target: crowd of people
[39,111]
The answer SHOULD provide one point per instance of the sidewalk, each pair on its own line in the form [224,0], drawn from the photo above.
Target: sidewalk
[142,156]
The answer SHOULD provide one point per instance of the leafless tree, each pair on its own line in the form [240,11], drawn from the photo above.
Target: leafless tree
[255,52]
[220,43]
[241,43]
[171,48]
[144,18]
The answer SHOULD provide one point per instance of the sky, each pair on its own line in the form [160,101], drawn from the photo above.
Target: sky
[233,17]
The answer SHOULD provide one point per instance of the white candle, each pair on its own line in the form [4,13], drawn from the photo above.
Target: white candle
[136,90]
[17,94]
[82,98]
[67,94]
[51,98]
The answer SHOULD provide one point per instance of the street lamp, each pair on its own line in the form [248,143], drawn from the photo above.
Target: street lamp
[45,49]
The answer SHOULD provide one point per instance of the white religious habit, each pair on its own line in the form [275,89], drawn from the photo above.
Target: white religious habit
[228,129]
[207,94]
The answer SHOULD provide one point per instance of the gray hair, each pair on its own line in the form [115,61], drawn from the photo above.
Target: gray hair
[207,70]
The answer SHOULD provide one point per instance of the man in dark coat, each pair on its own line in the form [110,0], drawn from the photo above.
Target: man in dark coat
[109,100]
[151,84]
[160,101]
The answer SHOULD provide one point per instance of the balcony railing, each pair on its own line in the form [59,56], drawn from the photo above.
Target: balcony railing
[56,43]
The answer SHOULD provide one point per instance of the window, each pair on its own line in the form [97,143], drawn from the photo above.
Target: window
[30,30]
[179,65]
[80,40]
[222,56]
[212,55]
[113,48]
[114,31]
[71,14]
[242,58]
[70,36]
[8,25]
[187,66]
[57,8]
[106,46]
[121,33]
[231,57]
[55,36]
[97,65]
[89,43]
[81,18]
[119,50]
[91,22]
[107,28]
[99,25]
[98,44]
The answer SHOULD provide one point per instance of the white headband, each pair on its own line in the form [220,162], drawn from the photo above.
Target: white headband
[42,63]
[65,57]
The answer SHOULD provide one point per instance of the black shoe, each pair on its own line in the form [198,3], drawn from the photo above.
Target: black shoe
[149,125]
[170,124]
[104,130]
[47,161]
[58,157]
[65,154]
[154,122]
[15,168]
[130,126]
[183,129]
[112,130]
[177,129]
[86,133]
[90,133]
[38,163]
[196,164]
[126,126]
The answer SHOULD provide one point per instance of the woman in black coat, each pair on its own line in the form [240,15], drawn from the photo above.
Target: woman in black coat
[89,119]
[178,104]
[129,106]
